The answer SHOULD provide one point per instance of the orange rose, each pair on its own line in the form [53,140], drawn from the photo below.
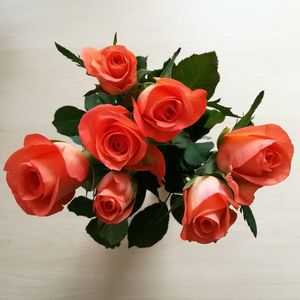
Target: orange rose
[111,137]
[165,108]
[207,216]
[114,66]
[114,199]
[253,157]
[43,175]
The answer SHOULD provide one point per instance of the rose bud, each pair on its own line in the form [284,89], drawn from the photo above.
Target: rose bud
[207,216]
[114,67]
[111,137]
[163,109]
[43,175]
[253,157]
[113,202]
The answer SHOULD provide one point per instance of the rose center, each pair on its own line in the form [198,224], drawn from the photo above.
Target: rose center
[206,225]
[108,206]
[117,65]
[30,183]
[32,180]
[270,160]
[168,111]
[118,144]
[117,59]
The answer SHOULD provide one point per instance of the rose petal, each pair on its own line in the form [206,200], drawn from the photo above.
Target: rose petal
[87,55]
[153,162]
[243,190]
[35,139]
[235,151]
[76,163]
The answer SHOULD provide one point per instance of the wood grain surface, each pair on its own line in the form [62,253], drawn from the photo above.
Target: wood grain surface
[258,44]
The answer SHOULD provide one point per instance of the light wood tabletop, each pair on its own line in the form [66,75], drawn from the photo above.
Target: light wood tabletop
[258,45]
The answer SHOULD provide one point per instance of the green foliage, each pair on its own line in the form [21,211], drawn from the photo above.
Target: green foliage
[198,71]
[82,206]
[108,235]
[67,53]
[177,207]
[249,218]
[176,168]
[148,226]
[226,111]
[181,140]
[96,172]
[203,126]
[148,181]
[115,40]
[209,167]
[189,183]
[225,131]
[194,154]
[93,91]
[140,197]
[246,119]
[66,120]
[167,71]
[76,139]
[197,153]
[93,100]
[141,62]
[214,117]
[141,75]
[157,72]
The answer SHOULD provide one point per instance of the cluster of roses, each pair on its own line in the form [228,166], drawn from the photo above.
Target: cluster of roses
[126,137]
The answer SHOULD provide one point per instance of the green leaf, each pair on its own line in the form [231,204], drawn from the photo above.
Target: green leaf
[167,71]
[189,183]
[157,72]
[214,117]
[226,111]
[96,99]
[113,233]
[108,235]
[246,119]
[177,207]
[94,91]
[96,172]
[76,139]
[225,131]
[148,226]
[115,40]
[82,206]
[141,62]
[210,167]
[249,218]
[67,53]
[66,120]
[197,153]
[175,170]
[203,126]
[199,71]
[182,140]
[140,197]
[141,74]
[149,181]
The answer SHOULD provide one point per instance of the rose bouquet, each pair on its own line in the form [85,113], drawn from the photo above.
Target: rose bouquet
[141,130]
